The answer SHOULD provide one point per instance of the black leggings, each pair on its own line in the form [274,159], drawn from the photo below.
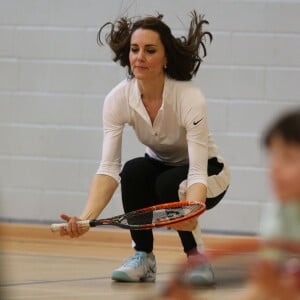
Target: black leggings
[146,182]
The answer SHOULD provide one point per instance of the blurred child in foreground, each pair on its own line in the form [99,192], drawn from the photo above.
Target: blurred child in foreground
[277,273]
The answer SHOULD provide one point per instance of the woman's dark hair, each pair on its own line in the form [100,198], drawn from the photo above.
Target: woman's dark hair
[183,54]
[286,127]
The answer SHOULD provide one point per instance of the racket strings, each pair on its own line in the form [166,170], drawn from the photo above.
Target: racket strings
[158,216]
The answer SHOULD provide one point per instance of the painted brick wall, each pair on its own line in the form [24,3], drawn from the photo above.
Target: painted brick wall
[53,79]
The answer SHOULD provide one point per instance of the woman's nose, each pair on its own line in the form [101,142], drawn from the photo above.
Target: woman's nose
[140,55]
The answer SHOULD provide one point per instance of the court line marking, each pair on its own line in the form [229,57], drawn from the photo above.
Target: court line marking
[71,280]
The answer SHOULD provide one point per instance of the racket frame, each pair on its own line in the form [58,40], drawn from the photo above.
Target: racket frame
[116,220]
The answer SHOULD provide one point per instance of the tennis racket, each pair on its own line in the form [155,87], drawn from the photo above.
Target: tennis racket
[147,218]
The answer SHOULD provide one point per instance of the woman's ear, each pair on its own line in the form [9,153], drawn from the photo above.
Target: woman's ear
[166,63]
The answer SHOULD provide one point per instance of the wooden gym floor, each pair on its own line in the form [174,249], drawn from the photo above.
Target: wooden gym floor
[36,264]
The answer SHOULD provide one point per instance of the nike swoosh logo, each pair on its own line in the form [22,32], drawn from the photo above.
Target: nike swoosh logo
[197,122]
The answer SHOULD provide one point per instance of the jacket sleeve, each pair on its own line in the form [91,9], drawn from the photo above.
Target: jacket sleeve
[194,118]
[113,125]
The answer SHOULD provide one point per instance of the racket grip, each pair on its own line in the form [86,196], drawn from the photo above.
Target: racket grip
[56,227]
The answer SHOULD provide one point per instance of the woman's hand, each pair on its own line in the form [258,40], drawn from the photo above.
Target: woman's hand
[73,230]
[197,192]
[188,225]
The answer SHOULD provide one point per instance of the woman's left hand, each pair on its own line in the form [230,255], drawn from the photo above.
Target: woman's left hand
[188,225]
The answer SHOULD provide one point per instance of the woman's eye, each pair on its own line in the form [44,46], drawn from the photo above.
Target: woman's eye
[136,50]
[151,51]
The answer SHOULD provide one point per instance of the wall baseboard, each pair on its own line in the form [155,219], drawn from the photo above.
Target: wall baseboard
[109,235]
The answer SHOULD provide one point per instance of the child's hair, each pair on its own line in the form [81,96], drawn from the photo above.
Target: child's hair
[286,127]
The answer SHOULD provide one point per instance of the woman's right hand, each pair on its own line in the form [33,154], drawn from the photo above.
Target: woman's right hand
[72,230]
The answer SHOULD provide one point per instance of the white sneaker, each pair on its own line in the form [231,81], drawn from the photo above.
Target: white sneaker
[201,274]
[139,267]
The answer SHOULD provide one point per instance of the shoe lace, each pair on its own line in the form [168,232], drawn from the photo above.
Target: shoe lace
[134,261]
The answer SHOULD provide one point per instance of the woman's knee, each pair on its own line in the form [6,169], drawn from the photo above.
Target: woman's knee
[133,168]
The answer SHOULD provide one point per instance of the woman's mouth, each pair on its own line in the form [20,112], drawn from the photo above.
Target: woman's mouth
[140,67]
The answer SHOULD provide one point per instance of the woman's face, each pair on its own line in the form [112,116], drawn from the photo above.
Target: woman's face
[147,54]
[284,162]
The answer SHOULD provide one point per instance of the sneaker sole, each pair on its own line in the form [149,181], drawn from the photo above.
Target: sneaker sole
[200,282]
[123,277]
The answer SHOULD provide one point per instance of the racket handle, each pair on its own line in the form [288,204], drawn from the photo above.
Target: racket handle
[56,227]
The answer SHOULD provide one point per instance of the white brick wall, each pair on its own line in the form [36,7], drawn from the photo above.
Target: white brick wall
[53,79]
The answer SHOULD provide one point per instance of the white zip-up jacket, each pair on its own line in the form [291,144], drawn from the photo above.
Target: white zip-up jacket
[179,134]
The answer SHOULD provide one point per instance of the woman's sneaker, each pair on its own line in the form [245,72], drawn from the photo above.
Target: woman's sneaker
[202,275]
[139,267]
[199,273]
